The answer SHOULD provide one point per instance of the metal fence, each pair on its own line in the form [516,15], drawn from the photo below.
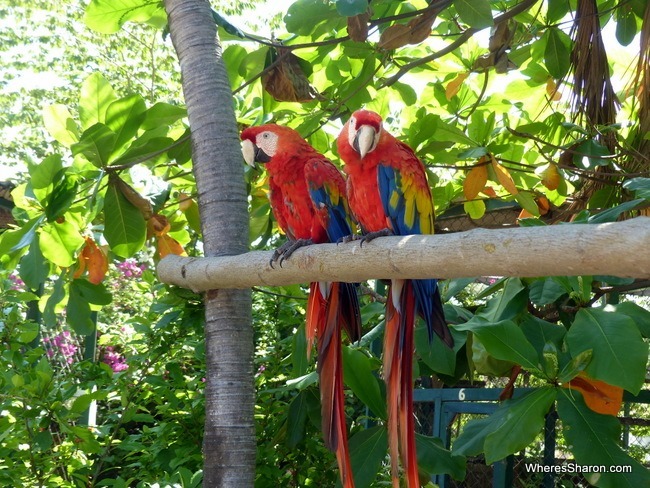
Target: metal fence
[442,412]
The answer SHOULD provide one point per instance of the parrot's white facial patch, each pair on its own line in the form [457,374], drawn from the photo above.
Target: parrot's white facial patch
[267,141]
[248,151]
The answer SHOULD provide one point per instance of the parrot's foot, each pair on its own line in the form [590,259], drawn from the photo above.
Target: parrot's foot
[287,249]
[350,238]
[373,235]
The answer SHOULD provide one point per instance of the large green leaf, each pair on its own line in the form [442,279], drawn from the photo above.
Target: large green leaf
[95,97]
[522,422]
[556,54]
[124,117]
[166,114]
[435,353]
[640,187]
[503,340]
[539,332]
[471,440]
[475,13]
[509,303]
[78,313]
[358,374]
[638,314]
[367,452]
[59,242]
[433,458]
[60,124]
[95,294]
[63,194]
[594,438]
[96,144]
[12,241]
[44,175]
[33,268]
[297,419]
[625,25]
[612,214]
[543,291]
[304,15]
[125,229]
[108,16]
[299,352]
[350,8]
[619,352]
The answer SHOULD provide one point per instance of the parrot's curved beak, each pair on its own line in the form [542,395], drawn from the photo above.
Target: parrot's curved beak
[248,151]
[365,140]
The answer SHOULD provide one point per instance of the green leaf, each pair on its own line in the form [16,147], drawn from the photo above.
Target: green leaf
[96,95]
[556,54]
[12,241]
[435,353]
[60,242]
[63,194]
[96,294]
[359,376]
[33,268]
[640,187]
[594,153]
[540,333]
[125,229]
[555,10]
[625,25]
[44,175]
[304,15]
[619,352]
[433,458]
[520,425]
[471,440]
[594,441]
[527,202]
[58,294]
[442,131]
[350,8]
[149,150]
[367,452]
[575,366]
[475,13]
[60,124]
[474,208]
[77,312]
[297,419]
[543,291]
[612,214]
[96,144]
[503,340]
[638,314]
[512,301]
[164,114]
[108,16]
[299,352]
[124,117]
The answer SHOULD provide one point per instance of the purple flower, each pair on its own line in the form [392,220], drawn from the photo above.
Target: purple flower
[18,284]
[61,344]
[131,269]
[114,359]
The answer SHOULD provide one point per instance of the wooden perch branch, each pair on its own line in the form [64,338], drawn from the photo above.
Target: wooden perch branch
[619,249]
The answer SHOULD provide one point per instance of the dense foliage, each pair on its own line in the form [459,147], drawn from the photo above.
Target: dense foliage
[538,116]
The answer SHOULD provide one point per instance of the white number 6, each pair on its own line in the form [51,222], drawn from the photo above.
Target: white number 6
[461,394]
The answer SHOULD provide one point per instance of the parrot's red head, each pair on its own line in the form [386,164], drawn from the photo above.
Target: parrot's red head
[261,143]
[363,132]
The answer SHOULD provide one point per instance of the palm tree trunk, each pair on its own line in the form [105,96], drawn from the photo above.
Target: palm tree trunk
[229,442]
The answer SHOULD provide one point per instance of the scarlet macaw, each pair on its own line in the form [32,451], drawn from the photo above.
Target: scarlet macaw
[388,194]
[307,196]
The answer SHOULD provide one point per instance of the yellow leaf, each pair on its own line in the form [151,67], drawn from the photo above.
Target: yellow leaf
[453,87]
[475,181]
[552,91]
[475,208]
[551,177]
[503,175]
[168,245]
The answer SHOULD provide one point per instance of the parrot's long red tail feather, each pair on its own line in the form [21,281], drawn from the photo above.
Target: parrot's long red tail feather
[398,372]
[330,370]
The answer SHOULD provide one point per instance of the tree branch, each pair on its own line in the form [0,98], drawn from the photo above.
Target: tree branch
[617,249]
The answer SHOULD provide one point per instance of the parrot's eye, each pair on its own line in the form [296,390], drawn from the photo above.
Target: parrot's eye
[267,141]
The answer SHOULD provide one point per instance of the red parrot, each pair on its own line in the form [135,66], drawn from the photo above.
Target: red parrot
[308,199]
[388,194]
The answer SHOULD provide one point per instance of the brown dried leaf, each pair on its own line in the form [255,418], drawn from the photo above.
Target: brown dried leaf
[286,81]
[137,200]
[93,259]
[397,35]
[421,27]
[358,27]
[158,225]
[475,182]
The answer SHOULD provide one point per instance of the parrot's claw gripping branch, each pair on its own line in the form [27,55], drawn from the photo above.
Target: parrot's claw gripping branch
[283,252]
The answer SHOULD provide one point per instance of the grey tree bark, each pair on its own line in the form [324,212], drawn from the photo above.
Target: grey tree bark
[229,442]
